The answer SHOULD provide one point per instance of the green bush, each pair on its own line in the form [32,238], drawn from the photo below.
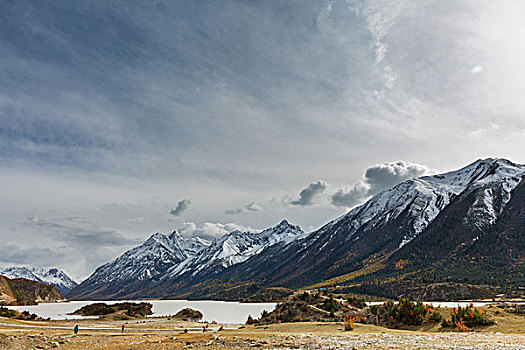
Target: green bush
[409,312]
[435,316]
[469,316]
[406,312]
[24,315]
[357,302]
[331,305]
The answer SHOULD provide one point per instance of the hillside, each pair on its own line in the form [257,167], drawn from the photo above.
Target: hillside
[54,277]
[135,269]
[457,234]
[21,291]
[464,227]
[163,268]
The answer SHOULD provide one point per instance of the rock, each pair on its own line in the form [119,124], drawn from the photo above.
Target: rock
[188,314]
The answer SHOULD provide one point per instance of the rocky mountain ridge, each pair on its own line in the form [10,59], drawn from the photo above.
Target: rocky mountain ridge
[383,237]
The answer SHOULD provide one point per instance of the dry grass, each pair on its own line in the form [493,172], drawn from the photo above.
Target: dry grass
[305,335]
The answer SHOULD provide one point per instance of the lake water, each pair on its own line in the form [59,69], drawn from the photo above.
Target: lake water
[219,311]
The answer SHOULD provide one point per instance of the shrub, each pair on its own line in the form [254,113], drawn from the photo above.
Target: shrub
[446,323]
[409,312]
[250,320]
[468,316]
[460,326]
[331,305]
[406,312]
[435,316]
[24,315]
[356,302]
[349,320]
[374,309]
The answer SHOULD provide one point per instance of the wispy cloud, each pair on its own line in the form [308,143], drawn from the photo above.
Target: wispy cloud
[110,110]
[250,207]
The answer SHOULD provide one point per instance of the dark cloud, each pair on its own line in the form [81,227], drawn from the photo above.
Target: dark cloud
[384,176]
[308,195]
[378,178]
[182,205]
[350,195]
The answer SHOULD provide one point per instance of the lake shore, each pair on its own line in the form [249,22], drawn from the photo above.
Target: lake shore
[166,333]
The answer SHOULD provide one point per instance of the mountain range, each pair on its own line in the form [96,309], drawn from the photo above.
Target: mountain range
[460,233]
[21,291]
[54,277]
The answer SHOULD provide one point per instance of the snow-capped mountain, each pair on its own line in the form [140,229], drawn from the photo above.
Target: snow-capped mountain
[427,222]
[474,197]
[234,248]
[162,259]
[422,199]
[154,257]
[53,276]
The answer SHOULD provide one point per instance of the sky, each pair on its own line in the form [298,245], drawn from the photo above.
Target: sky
[119,119]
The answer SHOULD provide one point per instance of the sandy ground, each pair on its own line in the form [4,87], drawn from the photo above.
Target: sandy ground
[162,333]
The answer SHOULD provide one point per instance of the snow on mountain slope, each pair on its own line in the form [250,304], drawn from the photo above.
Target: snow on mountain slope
[155,256]
[54,277]
[426,197]
[236,247]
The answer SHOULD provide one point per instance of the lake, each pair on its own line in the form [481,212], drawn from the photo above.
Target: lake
[219,311]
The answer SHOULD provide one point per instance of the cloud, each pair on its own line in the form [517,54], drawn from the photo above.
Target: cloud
[79,235]
[182,205]
[72,244]
[210,230]
[350,196]
[306,87]
[250,207]
[377,178]
[234,211]
[482,132]
[253,206]
[309,194]
[14,254]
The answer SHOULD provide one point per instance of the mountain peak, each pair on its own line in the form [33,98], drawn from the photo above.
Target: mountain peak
[490,162]
[284,222]
[157,235]
[175,236]
[52,276]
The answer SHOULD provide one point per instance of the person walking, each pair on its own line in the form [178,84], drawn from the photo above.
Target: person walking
[122,328]
[75,330]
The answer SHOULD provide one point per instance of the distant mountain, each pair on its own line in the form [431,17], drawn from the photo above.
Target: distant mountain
[53,277]
[189,279]
[135,268]
[234,248]
[462,232]
[21,291]
[160,266]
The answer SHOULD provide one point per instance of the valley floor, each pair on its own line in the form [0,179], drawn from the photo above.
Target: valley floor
[163,333]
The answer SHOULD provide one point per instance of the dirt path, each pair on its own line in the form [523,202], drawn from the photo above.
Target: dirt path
[6,326]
